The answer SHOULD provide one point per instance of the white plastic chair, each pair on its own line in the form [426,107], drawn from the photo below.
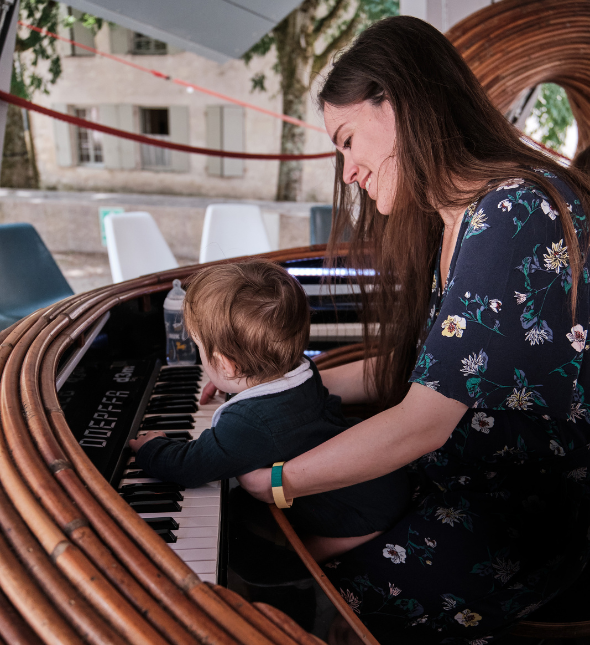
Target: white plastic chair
[232,230]
[136,246]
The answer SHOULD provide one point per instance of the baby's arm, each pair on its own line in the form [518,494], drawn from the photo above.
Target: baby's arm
[235,446]
[136,444]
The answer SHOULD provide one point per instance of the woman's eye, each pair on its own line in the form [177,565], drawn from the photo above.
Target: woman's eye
[346,143]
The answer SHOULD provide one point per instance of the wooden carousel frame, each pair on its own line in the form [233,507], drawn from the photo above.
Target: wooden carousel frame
[77,564]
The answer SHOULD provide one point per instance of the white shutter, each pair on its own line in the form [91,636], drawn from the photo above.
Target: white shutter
[213,140]
[62,132]
[127,148]
[233,139]
[108,115]
[179,133]
[119,37]
[81,35]
[118,153]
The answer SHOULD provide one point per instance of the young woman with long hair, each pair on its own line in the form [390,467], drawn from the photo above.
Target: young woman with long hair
[481,293]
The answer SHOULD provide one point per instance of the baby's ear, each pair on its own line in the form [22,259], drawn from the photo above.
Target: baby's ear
[226,366]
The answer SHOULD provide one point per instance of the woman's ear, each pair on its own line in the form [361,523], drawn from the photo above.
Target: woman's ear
[226,366]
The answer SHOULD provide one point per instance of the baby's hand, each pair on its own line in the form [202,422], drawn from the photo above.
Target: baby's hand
[136,444]
[209,391]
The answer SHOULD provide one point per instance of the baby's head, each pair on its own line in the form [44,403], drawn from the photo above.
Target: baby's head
[252,313]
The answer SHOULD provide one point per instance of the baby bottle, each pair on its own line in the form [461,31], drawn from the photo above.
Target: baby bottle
[180,349]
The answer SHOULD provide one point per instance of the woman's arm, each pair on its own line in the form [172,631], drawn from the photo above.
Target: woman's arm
[347,382]
[421,423]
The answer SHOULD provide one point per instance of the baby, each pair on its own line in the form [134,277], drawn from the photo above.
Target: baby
[250,321]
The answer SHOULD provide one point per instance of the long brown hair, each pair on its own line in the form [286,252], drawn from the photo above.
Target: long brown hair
[448,136]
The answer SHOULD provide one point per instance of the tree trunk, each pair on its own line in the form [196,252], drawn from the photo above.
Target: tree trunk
[295,56]
[18,166]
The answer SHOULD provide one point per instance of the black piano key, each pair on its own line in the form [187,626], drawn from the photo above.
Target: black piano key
[156,506]
[166,535]
[159,487]
[149,496]
[162,399]
[163,523]
[165,422]
[175,388]
[182,434]
[135,474]
[173,408]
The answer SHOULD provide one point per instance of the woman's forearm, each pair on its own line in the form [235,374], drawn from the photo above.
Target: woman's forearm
[420,424]
[347,382]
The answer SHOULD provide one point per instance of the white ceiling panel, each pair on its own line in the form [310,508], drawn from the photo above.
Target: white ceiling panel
[216,29]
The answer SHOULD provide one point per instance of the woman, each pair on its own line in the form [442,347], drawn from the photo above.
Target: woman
[495,422]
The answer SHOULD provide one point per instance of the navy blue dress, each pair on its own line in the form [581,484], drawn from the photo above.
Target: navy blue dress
[500,520]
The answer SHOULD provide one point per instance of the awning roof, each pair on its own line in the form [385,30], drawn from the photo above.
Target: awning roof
[216,29]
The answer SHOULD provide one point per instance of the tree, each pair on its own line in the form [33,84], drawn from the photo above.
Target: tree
[304,43]
[19,168]
[552,116]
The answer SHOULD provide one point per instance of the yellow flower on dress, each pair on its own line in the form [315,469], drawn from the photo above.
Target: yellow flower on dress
[477,221]
[557,257]
[520,399]
[468,618]
[454,326]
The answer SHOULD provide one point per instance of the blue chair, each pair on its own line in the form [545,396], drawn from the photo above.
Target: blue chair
[29,276]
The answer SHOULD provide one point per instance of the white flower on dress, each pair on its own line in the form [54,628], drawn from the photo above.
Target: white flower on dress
[576,412]
[578,473]
[536,336]
[468,618]
[479,641]
[433,385]
[495,305]
[353,602]
[556,257]
[577,337]
[557,449]
[472,363]
[520,399]
[520,297]
[505,569]
[449,603]
[546,208]
[477,221]
[395,553]
[468,295]
[482,423]
[332,565]
[449,515]
[505,205]
[393,590]
[430,542]
[529,610]
[515,184]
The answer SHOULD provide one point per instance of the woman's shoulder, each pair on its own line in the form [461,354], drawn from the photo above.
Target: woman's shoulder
[519,203]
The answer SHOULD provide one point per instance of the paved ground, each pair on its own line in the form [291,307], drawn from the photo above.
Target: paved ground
[86,271]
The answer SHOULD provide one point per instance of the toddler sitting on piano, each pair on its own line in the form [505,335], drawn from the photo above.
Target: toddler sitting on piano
[250,322]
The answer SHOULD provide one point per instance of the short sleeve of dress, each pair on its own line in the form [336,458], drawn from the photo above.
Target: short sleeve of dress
[502,335]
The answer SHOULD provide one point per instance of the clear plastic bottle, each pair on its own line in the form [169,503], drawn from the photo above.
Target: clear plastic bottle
[180,349]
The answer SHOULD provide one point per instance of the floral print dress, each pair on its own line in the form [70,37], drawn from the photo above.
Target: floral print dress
[500,522]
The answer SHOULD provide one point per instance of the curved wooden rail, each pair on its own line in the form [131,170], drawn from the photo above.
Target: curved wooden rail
[514,45]
[77,564]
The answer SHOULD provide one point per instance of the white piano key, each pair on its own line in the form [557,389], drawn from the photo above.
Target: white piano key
[203,566]
[194,555]
[187,530]
[182,544]
[205,520]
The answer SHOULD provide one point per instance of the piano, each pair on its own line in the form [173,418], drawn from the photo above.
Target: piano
[75,557]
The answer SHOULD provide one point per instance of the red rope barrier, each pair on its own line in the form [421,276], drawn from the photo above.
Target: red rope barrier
[203,90]
[140,138]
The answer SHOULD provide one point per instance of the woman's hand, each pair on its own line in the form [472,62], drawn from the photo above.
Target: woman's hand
[257,483]
[208,393]
[347,382]
[136,444]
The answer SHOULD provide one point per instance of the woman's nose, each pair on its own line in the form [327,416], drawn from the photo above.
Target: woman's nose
[350,171]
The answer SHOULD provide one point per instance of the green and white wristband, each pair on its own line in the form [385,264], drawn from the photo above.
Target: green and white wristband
[276,481]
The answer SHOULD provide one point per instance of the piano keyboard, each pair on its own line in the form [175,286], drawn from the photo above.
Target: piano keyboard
[191,526]
[349,332]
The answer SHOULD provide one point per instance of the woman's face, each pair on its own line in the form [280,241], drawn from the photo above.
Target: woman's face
[365,134]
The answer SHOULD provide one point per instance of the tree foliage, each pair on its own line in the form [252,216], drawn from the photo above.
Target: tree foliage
[304,43]
[45,14]
[553,114]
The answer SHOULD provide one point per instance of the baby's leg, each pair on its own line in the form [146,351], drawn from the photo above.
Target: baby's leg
[323,548]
